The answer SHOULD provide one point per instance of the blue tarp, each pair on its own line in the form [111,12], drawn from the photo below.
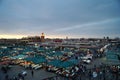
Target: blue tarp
[66,64]
[18,57]
[36,60]
[61,64]
[56,63]
[58,53]
[74,61]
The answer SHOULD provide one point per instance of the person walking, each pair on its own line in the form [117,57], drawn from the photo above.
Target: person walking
[32,72]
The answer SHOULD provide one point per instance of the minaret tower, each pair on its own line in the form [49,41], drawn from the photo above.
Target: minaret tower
[42,37]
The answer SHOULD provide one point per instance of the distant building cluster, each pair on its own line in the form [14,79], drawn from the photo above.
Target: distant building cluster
[58,42]
[29,39]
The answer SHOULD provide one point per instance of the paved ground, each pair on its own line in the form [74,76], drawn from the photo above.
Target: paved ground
[38,74]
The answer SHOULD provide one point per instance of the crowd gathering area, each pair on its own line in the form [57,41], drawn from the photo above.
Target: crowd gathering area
[66,63]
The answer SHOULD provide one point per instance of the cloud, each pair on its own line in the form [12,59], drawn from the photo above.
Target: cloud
[88,24]
[31,17]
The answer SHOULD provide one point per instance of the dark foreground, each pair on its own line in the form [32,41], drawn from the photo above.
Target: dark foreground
[104,72]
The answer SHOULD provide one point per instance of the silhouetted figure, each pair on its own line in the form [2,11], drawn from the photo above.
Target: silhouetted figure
[6,77]
[22,77]
[90,75]
[117,74]
[30,66]
[32,72]
[104,75]
[4,69]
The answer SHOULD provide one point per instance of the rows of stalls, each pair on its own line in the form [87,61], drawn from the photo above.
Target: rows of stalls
[63,62]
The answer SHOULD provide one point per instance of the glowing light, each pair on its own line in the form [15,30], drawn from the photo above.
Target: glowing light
[11,36]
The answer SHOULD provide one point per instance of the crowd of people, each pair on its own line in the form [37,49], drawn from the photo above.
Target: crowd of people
[103,72]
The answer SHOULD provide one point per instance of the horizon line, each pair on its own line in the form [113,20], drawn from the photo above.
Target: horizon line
[51,37]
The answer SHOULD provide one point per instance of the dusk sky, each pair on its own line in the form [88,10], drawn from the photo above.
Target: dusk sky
[59,18]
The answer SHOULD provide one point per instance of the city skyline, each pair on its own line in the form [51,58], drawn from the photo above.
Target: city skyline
[59,18]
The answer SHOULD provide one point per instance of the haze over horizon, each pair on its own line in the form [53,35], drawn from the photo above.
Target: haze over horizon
[59,18]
